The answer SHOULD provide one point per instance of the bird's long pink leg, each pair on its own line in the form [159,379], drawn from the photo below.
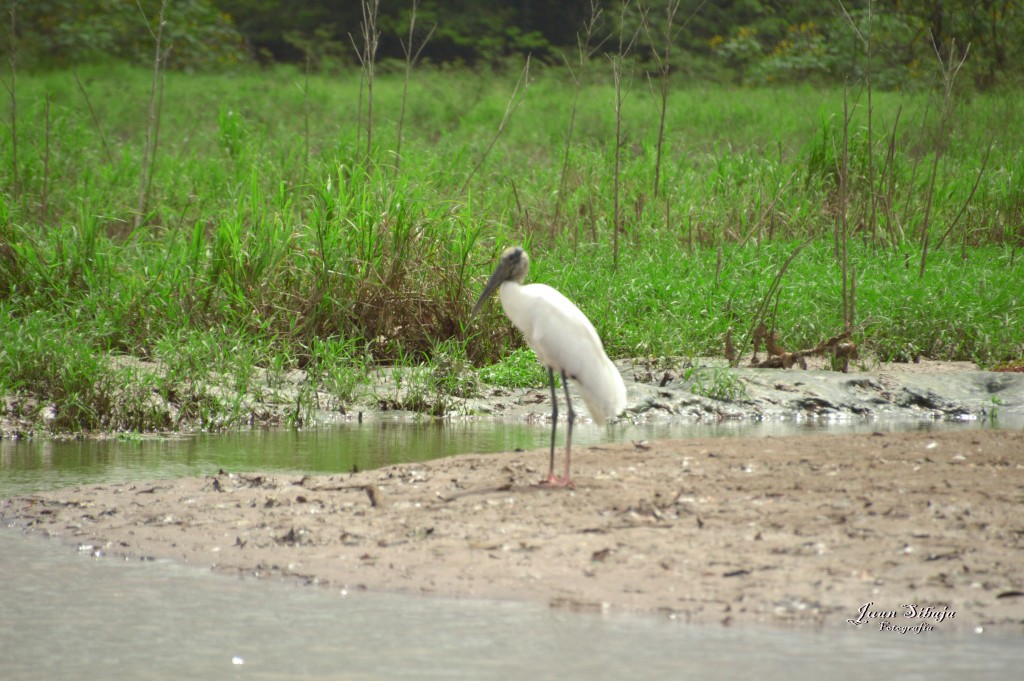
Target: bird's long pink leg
[554,427]
[552,479]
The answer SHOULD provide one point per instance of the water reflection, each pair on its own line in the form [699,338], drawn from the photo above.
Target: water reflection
[45,464]
[67,616]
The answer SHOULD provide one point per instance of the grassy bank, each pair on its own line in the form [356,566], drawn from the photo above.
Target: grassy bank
[272,239]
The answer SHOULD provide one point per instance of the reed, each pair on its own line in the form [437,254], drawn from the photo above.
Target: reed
[274,244]
[153,117]
[412,55]
[366,51]
[622,76]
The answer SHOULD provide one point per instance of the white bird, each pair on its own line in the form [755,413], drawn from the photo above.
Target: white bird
[564,341]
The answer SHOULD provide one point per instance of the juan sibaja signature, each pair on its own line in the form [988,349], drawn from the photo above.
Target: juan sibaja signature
[887,619]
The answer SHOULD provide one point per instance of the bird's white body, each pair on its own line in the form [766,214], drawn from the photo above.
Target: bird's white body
[565,341]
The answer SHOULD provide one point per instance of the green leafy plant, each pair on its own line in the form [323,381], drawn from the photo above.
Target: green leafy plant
[717,383]
[517,369]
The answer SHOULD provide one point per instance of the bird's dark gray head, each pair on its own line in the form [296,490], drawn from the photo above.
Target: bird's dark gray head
[513,266]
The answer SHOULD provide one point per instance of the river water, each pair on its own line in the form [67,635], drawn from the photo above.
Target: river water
[41,464]
[66,615]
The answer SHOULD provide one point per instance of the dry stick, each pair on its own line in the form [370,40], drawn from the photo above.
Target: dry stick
[371,39]
[763,305]
[150,152]
[95,119]
[410,60]
[928,202]
[620,97]
[585,53]
[590,213]
[866,39]
[664,64]
[849,291]
[668,213]
[14,100]
[359,103]
[768,209]
[916,161]
[522,211]
[156,130]
[305,117]
[842,225]
[514,100]
[689,230]
[158,274]
[853,299]
[949,75]
[960,213]
[889,169]
[45,200]
[366,55]
[872,220]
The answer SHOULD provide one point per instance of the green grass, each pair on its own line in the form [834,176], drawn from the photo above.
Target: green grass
[667,301]
[264,250]
[516,369]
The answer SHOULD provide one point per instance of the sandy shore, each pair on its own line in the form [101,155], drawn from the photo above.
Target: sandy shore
[795,530]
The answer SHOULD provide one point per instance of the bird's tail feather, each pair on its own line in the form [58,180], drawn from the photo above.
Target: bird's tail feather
[604,396]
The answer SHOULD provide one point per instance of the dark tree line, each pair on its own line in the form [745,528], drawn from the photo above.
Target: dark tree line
[751,40]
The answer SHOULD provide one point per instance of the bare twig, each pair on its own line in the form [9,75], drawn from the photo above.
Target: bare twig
[664,63]
[45,199]
[15,185]
[769,208]
[584,52]
[889,170]
[149,152]
[305,115]
[949,71]
[838,346]
[156,129]
[95,119]
[916,162]
[514,100]
[370,35]
[410,59]
[967,202]
[872,220]
[842,224]
[769,295]
[623,80]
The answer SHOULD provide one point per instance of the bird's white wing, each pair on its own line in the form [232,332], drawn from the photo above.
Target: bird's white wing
[565,340]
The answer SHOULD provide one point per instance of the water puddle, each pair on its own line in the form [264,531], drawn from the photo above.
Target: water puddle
[37,465]
[68,616]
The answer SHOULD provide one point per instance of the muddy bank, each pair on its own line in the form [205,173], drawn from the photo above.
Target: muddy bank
[926,390]
[802,530]
[659,391]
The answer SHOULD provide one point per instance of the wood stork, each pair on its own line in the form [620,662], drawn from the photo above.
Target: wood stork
[564,341]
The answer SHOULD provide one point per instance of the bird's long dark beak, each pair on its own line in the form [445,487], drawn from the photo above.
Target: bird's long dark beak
[499,277]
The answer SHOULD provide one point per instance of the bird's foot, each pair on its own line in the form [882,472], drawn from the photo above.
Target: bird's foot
[557,481]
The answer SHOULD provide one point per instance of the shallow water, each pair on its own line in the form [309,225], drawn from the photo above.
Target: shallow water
[37,465]
[66,615]
[70,616]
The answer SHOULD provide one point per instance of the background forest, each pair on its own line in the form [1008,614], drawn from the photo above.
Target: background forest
[749,41]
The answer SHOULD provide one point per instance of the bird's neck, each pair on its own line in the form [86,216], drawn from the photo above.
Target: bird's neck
[516,305]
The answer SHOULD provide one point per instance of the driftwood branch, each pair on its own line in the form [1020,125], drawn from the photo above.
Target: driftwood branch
[778,357]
